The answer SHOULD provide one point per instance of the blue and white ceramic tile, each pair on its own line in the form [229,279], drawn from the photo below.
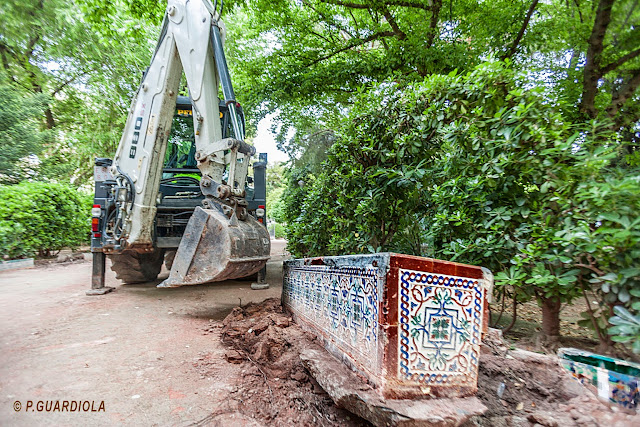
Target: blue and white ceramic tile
[341,301]
[440,322]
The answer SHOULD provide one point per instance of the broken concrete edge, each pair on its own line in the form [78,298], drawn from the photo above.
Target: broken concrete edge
[99,291]
[351,392]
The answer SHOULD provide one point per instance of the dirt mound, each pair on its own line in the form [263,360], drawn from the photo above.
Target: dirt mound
[519,387]
[276,389]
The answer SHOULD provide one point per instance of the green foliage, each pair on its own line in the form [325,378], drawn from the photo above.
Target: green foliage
[20,133]
[626,328]
[275,205]
[80,81]
[278,230]
[306,206]
[306,61]
[39,218]
[472,168]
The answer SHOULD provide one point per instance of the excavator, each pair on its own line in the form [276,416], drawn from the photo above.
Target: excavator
[159,200]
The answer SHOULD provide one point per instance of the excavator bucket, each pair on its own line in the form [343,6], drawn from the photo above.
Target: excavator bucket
[216,248]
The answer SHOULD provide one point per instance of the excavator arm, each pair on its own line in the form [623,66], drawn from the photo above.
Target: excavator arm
[221,240]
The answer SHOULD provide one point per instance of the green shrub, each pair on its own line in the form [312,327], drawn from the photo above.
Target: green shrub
[473,168]
[626,328]
[39,218]
[279,231]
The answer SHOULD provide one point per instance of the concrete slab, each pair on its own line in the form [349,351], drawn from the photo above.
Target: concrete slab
[16,264]
[352,392]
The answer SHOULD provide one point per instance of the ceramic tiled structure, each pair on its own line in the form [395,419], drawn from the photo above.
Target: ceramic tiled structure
[411,325]
[612,380]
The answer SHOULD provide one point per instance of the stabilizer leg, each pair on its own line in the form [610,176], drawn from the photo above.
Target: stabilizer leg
[98,275]
[262,280]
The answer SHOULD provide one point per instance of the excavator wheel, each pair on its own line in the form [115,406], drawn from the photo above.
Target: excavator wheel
[134,267]
[169,256]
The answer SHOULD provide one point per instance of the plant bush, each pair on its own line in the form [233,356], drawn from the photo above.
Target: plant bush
[475,169]
[626,328]
[40,218]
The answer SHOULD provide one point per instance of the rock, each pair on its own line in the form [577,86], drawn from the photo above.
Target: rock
[261,326]
[542,419]
[233,333]
[233,356]
[534,358]
[348,391]
[282,322]
[299,376]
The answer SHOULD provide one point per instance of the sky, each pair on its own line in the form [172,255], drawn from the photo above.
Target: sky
[265,141]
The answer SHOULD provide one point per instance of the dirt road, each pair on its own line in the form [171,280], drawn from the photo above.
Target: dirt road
[153,356]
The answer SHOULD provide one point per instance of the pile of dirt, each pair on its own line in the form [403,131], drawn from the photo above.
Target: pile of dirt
[522,388]
[518,387]
[275,388]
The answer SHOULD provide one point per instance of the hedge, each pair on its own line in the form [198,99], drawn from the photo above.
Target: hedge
[40,218]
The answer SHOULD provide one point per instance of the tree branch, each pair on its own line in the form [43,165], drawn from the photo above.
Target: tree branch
[590,267]
[514,46]
[433,24]
[346,4]
[329,21]
[624,93]
[354,43]
[320,36]
[412,4]
[631,9]
[70,80]
[31,45]
[620,61]
[579,11]
[391,20]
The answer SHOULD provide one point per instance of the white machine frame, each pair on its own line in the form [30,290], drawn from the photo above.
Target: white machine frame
[190,32]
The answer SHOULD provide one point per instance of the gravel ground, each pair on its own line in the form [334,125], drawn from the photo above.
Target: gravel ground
[140,349]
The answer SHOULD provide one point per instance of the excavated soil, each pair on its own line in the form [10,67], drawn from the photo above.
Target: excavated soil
[519,388]
[275,388]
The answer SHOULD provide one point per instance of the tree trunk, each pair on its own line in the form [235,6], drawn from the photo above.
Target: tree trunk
[592,69]
[48,114]
[550,318]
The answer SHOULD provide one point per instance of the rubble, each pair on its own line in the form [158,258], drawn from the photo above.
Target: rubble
[284,382]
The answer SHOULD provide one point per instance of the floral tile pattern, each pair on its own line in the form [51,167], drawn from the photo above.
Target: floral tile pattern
[440,320]
[342,301]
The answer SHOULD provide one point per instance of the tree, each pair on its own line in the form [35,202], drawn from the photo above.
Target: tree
[613,46]
[49,50]
[489,174]
[20,132]
[307,60]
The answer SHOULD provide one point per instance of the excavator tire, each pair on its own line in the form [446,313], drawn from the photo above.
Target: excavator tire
[134,267]
[169,256]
